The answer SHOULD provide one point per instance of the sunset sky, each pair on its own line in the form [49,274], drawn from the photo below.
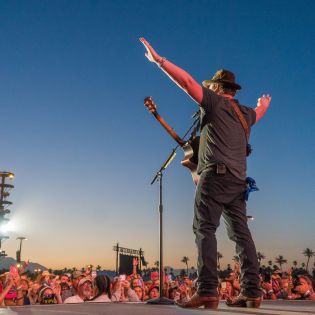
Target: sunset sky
[84,149]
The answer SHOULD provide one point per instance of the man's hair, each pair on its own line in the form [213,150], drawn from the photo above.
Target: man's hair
[227,89]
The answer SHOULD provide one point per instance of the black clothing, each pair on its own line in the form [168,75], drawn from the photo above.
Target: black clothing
[222,137]
[26,300]
[216,195]
[223,140]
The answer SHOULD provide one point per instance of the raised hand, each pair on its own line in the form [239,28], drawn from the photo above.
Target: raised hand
[125,284]
[151,54]
[149,104]
[264,101]
[262,106]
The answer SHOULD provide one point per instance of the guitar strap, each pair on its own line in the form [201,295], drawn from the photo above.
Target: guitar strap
[241,118]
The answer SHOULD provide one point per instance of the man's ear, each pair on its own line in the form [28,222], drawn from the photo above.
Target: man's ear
[215,87]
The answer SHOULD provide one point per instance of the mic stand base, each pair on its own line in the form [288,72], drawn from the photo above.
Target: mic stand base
[161,301]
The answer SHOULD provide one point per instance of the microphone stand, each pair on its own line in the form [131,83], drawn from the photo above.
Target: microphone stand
[159,177]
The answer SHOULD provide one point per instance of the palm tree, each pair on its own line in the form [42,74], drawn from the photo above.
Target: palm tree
[260,256]
[280,260]
[219,256]
[308,253]
[98,267]
[270,263]
[185,261]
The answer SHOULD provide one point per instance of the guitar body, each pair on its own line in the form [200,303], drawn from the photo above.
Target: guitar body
[190,159]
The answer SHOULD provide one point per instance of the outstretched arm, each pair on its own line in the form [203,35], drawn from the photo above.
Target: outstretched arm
[262,106]
[184,80]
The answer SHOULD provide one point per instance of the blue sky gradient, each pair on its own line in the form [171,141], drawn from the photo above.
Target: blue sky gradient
[84,149]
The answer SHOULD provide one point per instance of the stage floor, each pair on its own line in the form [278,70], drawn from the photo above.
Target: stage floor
[267,307]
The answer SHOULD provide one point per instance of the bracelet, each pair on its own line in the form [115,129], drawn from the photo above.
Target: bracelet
[162,62]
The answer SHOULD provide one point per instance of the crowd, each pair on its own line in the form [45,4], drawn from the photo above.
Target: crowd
[16,288]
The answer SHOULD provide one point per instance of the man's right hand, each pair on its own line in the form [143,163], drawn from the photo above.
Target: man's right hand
[184,80]
[151,54]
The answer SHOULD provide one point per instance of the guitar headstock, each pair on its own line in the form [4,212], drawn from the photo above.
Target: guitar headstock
[150,105]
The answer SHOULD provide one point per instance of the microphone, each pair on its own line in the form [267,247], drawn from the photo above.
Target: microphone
[170,158]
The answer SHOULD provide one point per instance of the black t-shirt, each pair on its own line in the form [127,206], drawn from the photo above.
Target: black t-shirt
[222,137]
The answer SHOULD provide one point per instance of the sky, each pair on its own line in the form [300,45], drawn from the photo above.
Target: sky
[84,149]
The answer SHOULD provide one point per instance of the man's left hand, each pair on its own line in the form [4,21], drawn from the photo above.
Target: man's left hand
[264,101]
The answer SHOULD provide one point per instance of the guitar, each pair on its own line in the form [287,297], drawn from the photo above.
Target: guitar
[190,146]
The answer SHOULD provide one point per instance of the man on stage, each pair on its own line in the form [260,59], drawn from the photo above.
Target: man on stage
[225,128]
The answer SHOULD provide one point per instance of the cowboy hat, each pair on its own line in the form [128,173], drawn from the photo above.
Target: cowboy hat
[222,76]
